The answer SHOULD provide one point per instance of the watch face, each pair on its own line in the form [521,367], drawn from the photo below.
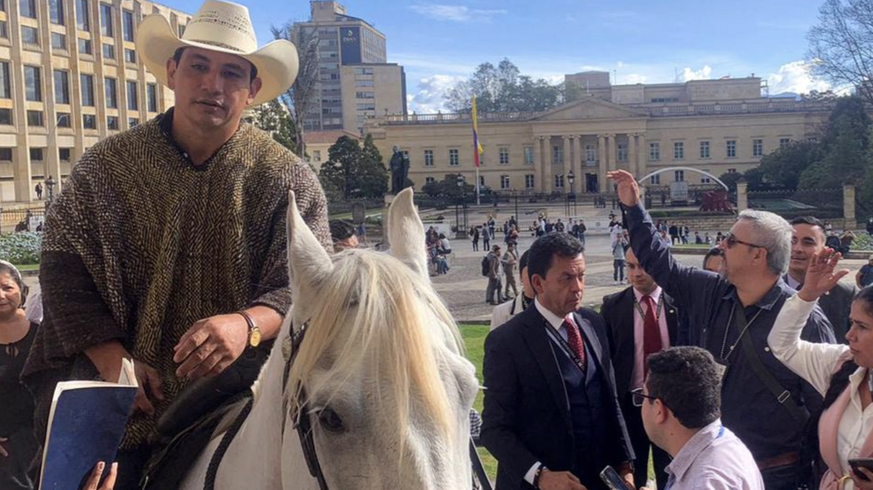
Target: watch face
[255,337]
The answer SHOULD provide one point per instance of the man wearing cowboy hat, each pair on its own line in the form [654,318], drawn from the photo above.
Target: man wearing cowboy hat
[168,244]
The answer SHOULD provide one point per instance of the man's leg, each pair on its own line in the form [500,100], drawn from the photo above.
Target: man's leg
[489,291]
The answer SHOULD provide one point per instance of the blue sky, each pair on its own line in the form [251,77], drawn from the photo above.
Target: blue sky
[441,42]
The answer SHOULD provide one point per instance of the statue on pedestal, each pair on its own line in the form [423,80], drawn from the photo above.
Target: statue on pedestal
[399,167]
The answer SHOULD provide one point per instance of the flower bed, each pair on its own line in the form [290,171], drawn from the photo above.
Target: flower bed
[21,248]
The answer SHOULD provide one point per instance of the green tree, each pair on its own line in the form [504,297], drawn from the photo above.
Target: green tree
[503,88]
[448,187]
[344,157]
[371,174]
[784,166]
[844,147]
[274,118]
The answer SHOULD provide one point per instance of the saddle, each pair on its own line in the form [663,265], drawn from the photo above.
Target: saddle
[190,422]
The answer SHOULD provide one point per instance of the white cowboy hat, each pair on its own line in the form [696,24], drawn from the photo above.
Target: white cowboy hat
[224,27]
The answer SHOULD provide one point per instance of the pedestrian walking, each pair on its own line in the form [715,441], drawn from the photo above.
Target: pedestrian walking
[509,261]
[475,233]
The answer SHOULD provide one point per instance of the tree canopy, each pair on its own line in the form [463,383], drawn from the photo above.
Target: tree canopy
[503,88]
[354,172]
[841,45]
[275,119]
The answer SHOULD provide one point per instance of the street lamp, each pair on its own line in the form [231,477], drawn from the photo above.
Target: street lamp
[572,178]
[50,187]
[461,231]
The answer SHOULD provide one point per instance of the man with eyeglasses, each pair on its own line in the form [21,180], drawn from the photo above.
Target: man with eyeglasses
[730,315]
[680,406]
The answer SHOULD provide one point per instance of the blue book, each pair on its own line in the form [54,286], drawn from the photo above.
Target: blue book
[86,424]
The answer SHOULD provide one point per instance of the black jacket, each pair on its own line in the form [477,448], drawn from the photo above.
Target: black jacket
[527,416]
[618,312]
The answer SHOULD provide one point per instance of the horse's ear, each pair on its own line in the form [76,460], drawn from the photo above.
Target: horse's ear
[308,261]
[406,233]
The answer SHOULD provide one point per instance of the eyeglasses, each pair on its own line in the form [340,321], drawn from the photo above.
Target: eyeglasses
[638,397]
[731,240]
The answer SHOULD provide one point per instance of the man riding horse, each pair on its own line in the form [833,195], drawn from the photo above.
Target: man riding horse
[168,245]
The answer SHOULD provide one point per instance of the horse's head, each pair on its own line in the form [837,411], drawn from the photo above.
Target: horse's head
[384,384]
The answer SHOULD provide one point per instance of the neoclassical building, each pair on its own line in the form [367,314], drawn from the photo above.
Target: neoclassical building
[718,126]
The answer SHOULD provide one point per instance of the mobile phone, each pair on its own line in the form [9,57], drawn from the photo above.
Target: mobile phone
[613,481]
[866,463]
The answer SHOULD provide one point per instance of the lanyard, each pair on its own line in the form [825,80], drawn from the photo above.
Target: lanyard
[742,326]
[657,311]
[565,346]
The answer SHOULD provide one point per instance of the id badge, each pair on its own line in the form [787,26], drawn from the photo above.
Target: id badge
[721,367]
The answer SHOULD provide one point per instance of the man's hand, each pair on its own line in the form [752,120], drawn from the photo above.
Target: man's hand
[94,479]
[211,345]
[820,274]
[863,484]
[559,480]
[107,357]
[3,451]
[628,189]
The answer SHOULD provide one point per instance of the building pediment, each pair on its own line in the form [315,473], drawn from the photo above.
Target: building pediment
[589,108]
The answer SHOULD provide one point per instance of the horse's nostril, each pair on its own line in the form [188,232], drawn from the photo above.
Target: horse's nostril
[330,421]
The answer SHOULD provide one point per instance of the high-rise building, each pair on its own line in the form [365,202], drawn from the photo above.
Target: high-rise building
[355,79]
[69,76]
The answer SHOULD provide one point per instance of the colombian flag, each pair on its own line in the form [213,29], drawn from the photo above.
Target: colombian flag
[477,146]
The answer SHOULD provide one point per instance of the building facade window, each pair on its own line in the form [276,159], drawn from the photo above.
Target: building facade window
[557,154]
[4,31]
[35,118]
[106,20]
[132,122]
[89,121]
[85,46]
[678,150]
[32,84]
[529,181]
[112,123]
[655,179]
[5,81]
[62,120]
[87,87]
[6,116]
[704,179]
[622,152]
[428,158]
[679,175]
[111,89]
[30,35]
[62,86]
[152,97]
[59,41]
[83,15]
[65,154]
[732,171]
[429,180]
[590,155]
[109,51]
[5,154]
[784,142]
[129,55]
[504,182]
[559,181]
[654,152]
[132,99]
[503,153]
[454,157]
[56,12]
[37,154]
[757,148]
[127,25]
[704,150]
[481,181]
[528,155]
[731,149]
[27,8]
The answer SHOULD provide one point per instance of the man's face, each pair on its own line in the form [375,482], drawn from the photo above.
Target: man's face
[560,291]
[641,281]
[740,259]
[211,88]
[805,241]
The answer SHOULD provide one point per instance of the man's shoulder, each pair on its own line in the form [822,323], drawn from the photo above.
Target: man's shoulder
[613,299]
[842,290]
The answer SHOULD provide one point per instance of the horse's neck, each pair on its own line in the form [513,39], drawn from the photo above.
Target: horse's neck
[253,460]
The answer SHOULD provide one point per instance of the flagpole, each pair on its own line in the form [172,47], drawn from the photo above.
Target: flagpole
[477,186]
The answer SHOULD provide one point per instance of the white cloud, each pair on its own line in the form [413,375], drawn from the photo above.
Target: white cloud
[795,77]
[454,13]
[429,99]
[702,74]
[631,79]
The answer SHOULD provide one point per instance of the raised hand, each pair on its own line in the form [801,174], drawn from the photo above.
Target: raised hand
[820,274]
[628,189]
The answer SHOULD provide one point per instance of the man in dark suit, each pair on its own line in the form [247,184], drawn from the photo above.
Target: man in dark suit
[809,238]
[640,320]
[552,417]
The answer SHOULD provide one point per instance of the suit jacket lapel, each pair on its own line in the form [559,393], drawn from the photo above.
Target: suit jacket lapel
[590,337]
[672,320]
[540,345]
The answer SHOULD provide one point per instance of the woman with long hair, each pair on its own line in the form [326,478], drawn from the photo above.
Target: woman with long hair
[841,373]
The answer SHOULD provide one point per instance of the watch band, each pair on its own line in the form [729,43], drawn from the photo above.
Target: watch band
[254,332]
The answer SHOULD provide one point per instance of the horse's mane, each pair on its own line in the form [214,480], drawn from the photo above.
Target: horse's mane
[376,313]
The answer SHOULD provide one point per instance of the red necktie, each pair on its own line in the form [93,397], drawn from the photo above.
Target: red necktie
[574,339]
[651,332]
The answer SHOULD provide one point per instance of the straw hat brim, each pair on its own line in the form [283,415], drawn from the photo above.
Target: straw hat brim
[276,62]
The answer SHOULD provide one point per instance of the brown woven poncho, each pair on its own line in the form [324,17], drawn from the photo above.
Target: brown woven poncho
[141,244]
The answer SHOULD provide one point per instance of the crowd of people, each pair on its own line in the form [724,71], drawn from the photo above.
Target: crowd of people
[750,372]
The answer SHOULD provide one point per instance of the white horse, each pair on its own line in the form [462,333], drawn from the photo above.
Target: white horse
[387,390]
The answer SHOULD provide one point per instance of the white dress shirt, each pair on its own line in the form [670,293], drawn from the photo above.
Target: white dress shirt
[639,322]
[816,363]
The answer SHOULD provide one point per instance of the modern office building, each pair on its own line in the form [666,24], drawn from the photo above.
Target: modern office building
[355,79]
[717,126]
[69,76]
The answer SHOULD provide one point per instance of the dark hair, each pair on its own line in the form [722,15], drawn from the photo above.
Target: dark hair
[442,235]
[177,57]
[340,230]
[522,262]
[8,268]
[546,247]
[807,220]
[687,381]
[713,252]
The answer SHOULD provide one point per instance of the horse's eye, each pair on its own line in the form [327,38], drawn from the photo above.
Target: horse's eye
[330,421]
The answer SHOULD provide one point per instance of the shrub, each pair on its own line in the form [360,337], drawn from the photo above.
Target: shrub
[21,248]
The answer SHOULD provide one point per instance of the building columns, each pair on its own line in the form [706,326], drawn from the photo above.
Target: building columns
[538,161]
[547,186]
[632,154]
[577,164]
[602,163]
[568,161]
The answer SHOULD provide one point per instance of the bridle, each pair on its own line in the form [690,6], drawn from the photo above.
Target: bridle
[295,404]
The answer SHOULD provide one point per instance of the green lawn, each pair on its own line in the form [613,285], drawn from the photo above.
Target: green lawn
[28,267]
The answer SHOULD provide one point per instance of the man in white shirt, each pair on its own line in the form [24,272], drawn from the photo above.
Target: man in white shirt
[551,416]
